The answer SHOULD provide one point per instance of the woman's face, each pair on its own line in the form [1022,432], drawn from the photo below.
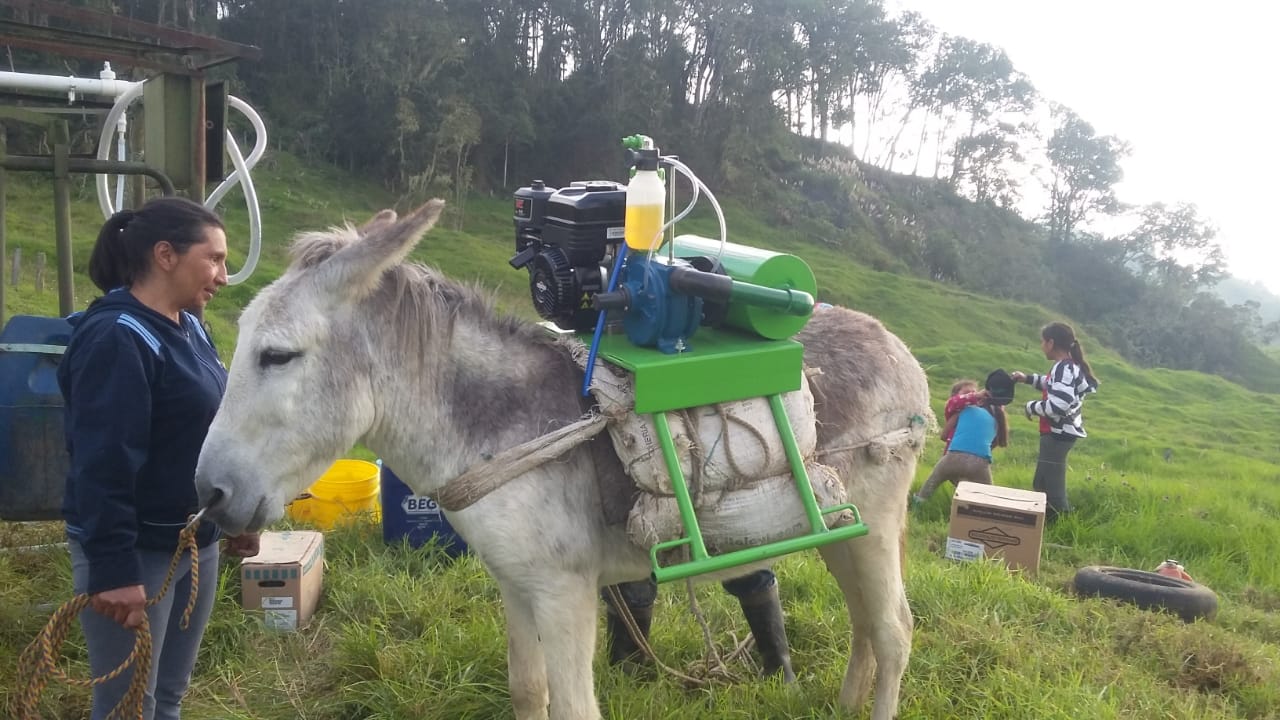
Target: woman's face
[201,271]
[1046,346]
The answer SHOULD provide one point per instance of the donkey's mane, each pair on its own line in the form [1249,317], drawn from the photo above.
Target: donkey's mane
[309,249]
[414,296]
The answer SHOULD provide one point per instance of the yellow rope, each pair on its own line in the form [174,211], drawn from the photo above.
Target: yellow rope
[38,663]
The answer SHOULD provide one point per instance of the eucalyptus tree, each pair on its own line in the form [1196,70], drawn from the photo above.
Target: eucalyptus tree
[923,40]
[1085,169]
[1174,247]
[972,83]
[984,164]
[890,49]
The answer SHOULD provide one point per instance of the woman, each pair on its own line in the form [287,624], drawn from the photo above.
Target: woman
[976,424]
[141,382]
[1061,423]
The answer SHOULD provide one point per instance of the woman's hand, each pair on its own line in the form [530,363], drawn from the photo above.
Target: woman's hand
[1018,376]
[126,605]
[243,546]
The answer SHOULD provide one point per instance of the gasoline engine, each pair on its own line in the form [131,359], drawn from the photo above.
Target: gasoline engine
[592,252]
[564,237]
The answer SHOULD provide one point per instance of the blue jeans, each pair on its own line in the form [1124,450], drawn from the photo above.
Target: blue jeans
[174,650]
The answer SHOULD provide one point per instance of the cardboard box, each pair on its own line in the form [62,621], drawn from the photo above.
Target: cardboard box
[284,579]
[992,521]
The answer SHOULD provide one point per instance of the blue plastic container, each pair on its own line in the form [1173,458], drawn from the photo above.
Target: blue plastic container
[33,451]
[415,517]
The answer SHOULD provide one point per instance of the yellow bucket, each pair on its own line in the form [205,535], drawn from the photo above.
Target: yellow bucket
[346,492]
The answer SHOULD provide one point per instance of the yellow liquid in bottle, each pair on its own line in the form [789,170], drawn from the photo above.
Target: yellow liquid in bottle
[641,227]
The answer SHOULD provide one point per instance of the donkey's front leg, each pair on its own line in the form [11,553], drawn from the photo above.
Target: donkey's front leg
[566,614]
[526,664]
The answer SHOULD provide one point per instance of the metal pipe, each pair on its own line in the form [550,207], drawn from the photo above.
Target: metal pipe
[697,547]
[90,165]
[62,166]
[798,471]
[745,556]
[62,217]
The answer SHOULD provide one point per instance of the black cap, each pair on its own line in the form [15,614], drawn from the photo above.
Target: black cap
[646,159]
[1000,385]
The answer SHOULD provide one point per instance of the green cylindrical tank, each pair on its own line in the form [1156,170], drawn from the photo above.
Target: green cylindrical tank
[760,267]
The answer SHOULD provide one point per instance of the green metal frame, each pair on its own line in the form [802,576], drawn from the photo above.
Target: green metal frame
[724,366]
[701,561]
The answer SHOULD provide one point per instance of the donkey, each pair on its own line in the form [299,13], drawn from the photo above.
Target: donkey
[350,344]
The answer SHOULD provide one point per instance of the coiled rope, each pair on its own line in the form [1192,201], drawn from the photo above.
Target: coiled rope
[38,663]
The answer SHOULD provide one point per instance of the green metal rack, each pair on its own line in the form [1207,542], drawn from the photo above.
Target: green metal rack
[724,366]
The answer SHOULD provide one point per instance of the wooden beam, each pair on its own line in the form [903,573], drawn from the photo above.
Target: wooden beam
[119,24]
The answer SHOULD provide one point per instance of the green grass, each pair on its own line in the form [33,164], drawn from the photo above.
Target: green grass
[1177,465]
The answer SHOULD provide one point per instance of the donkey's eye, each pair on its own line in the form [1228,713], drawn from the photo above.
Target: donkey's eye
[276,357]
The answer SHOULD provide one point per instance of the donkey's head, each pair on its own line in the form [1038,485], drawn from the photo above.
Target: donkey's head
[301,386]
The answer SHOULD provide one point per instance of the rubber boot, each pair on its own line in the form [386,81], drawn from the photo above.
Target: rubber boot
[623,650]
[763,611]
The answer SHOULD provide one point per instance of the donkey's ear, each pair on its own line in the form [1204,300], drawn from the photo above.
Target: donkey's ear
[383,219]
[354,271]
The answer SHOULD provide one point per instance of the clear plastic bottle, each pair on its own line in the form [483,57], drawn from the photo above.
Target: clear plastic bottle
[646,203]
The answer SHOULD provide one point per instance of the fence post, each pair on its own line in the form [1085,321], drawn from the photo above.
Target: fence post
[39,272]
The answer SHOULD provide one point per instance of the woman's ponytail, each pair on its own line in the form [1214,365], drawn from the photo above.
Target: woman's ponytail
[109,264]
[1077,356]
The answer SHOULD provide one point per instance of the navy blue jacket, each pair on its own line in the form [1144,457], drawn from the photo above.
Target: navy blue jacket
[140,393]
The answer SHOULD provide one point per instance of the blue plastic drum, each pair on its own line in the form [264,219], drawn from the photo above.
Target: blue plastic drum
[33,448]
[414,517]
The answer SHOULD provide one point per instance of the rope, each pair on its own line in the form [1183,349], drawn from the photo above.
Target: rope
[889,441]
[489,475]
[38,663]
[714,664]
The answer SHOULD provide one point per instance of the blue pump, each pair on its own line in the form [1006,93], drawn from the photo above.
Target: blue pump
[656,314]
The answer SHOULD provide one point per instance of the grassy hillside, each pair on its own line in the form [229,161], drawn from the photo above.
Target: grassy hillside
[1177,465]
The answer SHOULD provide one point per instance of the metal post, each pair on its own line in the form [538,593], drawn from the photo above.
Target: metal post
[137,183]
[62,216]
[4,148]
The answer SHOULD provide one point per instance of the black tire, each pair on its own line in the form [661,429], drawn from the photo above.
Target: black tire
[1152,591]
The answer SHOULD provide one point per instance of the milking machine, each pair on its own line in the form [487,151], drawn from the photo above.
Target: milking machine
[696,321]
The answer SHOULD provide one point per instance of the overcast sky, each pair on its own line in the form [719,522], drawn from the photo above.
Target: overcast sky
[1190,85]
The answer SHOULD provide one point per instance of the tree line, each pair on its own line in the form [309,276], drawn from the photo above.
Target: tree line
[769,99]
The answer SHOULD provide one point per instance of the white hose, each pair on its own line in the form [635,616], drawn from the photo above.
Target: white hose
[123,102]
[240,175]
[259,147]
[121,155]
[251,202]
[715,205]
